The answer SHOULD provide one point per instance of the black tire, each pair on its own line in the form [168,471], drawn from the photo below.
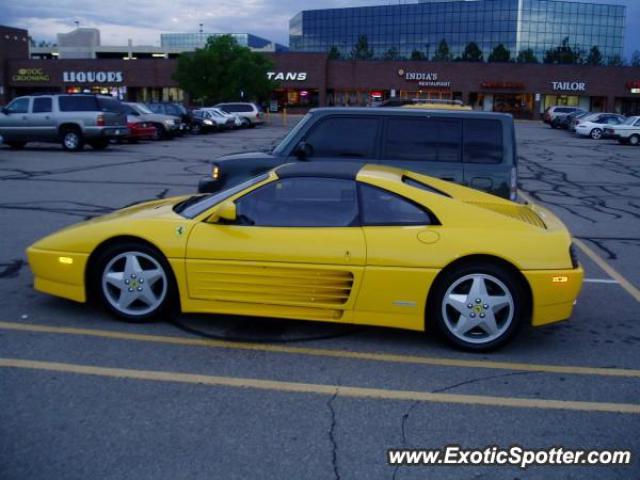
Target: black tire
[100,144]
[553,125]
[72,139]
[166,309]
[634,140]
[509,279]
[196,129]
[596,134]
[16,145]
[161,132]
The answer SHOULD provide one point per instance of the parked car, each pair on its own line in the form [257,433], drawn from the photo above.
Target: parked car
[338,242]
[627,132]
[139,129]
[565,120]
[575,118]
[477,149]
[204,122]
[173,109]
[554,115]
[250,114]
[231,120]
[594,125]
[72,120]
[167,126]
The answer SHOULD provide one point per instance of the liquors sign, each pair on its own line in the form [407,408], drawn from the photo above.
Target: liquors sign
[92,77]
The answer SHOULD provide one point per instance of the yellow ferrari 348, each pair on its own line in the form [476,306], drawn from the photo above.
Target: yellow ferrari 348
[334,242]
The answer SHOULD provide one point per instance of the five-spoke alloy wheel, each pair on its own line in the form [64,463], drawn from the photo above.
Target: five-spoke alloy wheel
[135,283]
[479,307]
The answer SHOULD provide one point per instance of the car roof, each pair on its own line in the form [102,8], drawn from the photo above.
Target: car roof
[343,170]
[407,111]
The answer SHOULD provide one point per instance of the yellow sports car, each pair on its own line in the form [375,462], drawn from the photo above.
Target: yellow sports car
[334,242]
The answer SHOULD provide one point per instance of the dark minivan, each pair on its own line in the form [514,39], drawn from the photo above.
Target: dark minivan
[476,149]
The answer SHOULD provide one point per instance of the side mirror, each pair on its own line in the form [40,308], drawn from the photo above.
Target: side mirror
[225,211]
[303,150]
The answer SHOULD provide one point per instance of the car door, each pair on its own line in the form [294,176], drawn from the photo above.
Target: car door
[14,120]
[41,120]
[296,250]
[342,137]
[424,144]
[402,252]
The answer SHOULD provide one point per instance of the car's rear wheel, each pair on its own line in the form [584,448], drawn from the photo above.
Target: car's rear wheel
[16,145]
[596,134]
[135,282]
[478,306]
[554,124]
[634,140]
[72,139]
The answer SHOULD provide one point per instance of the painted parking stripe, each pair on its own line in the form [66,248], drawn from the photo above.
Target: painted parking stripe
[319,389]
[630,288]
[601,280]
[325,352]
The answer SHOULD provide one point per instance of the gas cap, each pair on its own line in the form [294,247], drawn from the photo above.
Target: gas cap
[428,236]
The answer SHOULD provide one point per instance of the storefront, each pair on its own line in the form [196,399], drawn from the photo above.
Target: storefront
[307,80]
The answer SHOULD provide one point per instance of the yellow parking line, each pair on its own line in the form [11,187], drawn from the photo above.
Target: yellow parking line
[608,269]
[310,388]
[325,352]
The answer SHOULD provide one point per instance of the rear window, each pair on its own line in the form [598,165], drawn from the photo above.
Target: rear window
[155,108]
[236,107]
[78,103]
[482,141]
[423,139]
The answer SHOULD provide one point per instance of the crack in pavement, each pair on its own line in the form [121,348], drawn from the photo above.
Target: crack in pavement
[403,423]
[11,269]
[332,439]
[479,379]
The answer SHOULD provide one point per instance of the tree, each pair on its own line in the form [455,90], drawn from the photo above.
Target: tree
[616,61]
[562,54]
[361,50]
[418,55]
[223,71]
[500,54]
[442,52]
[527,56]
[391,54]
[334,53]
[472,53]
[635,59]
[595,57]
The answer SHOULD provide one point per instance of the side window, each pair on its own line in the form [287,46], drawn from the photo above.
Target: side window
[380,207]
[346,137]
[19,105]
[426,139]
[41,105]
[300,202]
[482,141]
[637,123]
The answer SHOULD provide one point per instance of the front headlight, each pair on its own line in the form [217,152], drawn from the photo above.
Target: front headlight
[207,122]
[170,122]
[215,172]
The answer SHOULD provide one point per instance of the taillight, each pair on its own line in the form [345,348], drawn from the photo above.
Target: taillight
[100,120]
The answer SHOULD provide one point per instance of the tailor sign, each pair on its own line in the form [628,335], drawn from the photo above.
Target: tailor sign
[424,79]
[92,77]
[293,76]
[569,86]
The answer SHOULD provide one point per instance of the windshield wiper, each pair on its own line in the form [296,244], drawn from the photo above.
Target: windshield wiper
[180,207]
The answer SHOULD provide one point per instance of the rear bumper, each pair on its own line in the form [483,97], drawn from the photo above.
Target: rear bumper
[554,294]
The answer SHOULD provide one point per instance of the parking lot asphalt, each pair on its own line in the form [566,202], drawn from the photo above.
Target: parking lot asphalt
[84,396]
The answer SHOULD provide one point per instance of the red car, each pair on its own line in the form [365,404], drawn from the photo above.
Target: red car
[139,130]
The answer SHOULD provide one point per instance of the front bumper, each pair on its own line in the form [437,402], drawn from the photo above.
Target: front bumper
[60,274]
[554,294]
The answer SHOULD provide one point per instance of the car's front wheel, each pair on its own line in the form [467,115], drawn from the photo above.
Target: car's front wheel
[135,283]
[634,140]
[479,306]
[596,134]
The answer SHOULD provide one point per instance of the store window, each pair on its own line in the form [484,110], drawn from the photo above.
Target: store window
[519,104]
[561,100]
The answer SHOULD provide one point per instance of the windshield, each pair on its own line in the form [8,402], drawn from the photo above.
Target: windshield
[279,150]
[194,206]
[141,108]
[630,120]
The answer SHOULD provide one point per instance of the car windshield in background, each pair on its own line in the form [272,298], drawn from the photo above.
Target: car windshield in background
[630,121]
[294,131]
[141,108]
[194,206]
[78,103]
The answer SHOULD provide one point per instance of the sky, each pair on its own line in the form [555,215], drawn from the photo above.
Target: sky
[144,20]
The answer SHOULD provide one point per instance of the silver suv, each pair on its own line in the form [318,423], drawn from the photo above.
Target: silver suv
[249,113]
[72,120]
